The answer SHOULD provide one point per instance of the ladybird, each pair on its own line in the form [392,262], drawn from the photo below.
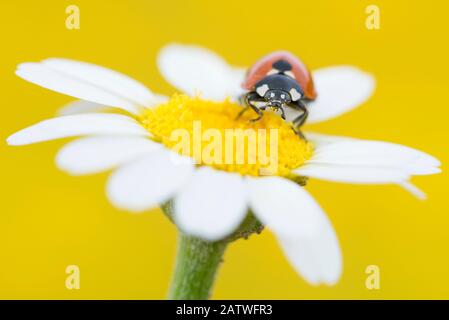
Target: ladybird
[277,80]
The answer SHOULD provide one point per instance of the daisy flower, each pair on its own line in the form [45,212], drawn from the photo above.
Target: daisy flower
[127,128]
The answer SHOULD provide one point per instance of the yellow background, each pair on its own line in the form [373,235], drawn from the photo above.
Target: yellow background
[49,220]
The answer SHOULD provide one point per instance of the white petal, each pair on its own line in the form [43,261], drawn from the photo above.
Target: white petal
[319,139]
[352,174]
[158,99]
[99,153]
[148,181]
[77,125]
[212,205]
[108,79]
[235,89]
[194,70]
[376,153]
[283,206]
[340,89]
[413,190]
[88,82]
[80,106]
[345,159]
[83,106]
[318,259]
[302,228]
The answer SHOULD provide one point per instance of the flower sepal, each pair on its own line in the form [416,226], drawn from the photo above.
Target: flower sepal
[250,225]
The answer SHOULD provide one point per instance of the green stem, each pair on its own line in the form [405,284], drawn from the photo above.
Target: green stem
[197,263]
[197,260]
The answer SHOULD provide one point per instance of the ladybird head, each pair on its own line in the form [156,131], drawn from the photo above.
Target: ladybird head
[277,98]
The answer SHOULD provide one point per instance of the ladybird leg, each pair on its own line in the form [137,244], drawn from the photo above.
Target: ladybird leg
[253,97]
[282,113]
[249,98]
[299,121]
[259,113]
[242,112]
[244,100]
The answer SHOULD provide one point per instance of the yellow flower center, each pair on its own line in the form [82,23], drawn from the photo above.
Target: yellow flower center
[211,133]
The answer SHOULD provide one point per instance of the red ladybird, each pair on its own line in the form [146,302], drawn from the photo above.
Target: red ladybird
[277,80]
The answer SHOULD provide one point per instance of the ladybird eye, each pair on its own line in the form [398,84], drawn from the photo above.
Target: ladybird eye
[283,96]
[272,95]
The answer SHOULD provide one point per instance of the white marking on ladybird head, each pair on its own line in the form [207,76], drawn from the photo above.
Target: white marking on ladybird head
[295,94]
[273,71]
[262,90]
[290,74]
